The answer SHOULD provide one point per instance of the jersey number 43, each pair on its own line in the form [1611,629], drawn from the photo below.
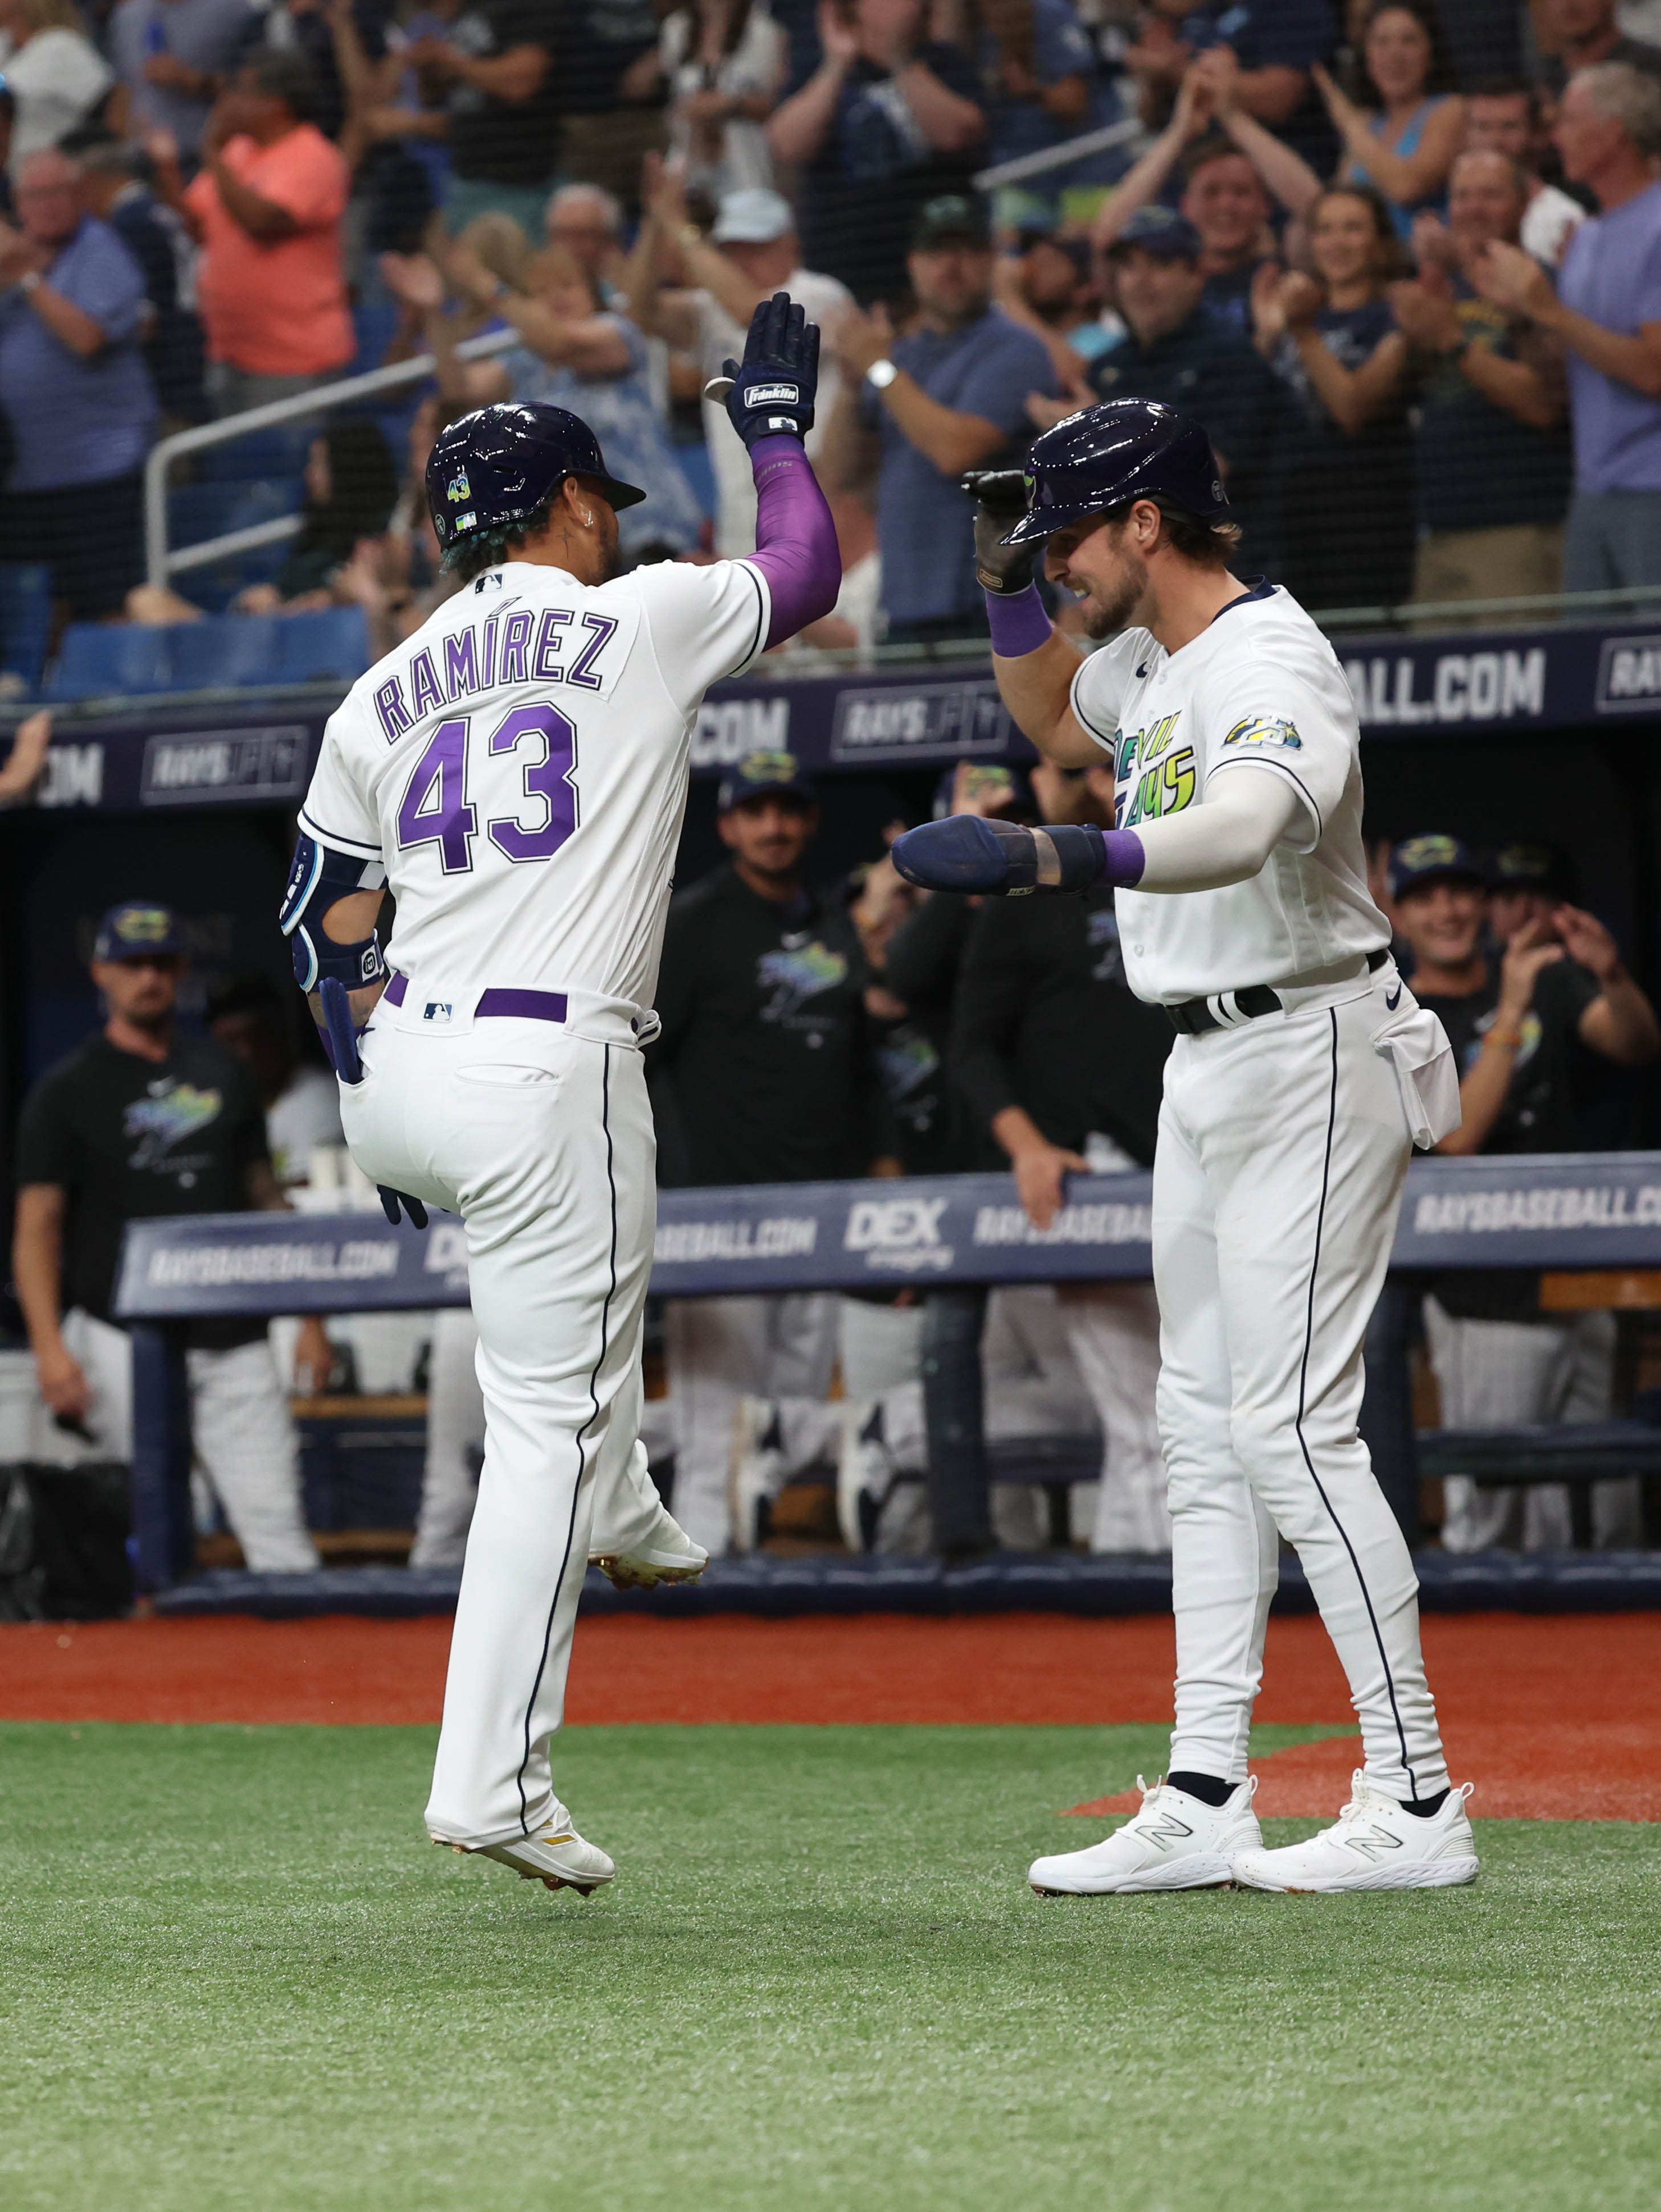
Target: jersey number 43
[435,810]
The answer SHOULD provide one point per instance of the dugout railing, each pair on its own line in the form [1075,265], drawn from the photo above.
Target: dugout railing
[1558,1212]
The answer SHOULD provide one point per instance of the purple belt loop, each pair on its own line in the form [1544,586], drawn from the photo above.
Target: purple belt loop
[525,1006]
[393,993]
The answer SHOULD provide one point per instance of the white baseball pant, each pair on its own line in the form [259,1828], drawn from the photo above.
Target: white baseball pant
[541,1139]
[241,1431]
[1113,1331]
[1491,1373]
[1282,1151]
[455,1427]
[719,1351]
[1036,1385]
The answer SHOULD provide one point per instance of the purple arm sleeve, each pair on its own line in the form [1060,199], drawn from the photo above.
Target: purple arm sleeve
[796,538]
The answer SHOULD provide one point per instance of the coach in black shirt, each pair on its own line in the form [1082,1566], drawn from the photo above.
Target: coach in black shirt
[141,1122]
[1519,1021]
[763,1074]
[766,1047]
[1063,1068]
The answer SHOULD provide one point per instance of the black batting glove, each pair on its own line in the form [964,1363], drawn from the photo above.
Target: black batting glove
[1000,497]
[771,393]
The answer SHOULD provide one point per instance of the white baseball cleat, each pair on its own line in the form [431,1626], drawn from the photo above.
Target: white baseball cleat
[1175,1841]
[1375,1843]
[556,1855]
[756,1471]
[669,1555]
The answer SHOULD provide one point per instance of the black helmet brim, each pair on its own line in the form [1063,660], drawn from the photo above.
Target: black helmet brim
[618,495]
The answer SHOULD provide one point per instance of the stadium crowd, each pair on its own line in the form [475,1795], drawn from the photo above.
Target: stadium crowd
[1403,261]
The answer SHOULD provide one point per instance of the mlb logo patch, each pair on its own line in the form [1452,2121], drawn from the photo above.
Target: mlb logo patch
[437,1010]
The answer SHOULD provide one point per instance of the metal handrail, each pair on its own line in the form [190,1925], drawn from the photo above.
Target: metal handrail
[1059,157]
[159,563]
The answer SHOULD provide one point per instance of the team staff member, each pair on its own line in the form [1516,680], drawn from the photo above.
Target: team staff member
[1058,1060]
[1301,1071]
[1516,1024]
[143,1120]
[763,1074]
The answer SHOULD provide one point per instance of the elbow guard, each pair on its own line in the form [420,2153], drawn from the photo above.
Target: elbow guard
[967,852]
[318,876]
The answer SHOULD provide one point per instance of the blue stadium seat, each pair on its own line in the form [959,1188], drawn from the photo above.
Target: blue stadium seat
[224,653]
[99,660]
[25,619]
[330,646]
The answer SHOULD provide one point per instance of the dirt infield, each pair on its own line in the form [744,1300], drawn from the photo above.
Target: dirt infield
[1556,1718]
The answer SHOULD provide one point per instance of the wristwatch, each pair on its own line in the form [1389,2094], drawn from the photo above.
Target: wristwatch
[881,374]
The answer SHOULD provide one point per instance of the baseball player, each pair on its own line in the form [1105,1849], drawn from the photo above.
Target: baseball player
[515,773]
[1302,1069]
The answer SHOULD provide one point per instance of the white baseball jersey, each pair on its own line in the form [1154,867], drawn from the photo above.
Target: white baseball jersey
[519,764]
[1260,686]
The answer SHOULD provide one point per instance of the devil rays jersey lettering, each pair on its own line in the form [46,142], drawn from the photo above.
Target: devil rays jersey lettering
[1260,690]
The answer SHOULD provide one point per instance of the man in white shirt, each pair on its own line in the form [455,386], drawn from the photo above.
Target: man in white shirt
[1505,119]
[751,253]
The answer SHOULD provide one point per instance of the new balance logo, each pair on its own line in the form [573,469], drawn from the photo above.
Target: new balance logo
[1166,1829]
[1374,1843]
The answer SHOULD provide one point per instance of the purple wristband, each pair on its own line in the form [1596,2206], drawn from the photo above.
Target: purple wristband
[1125,859]
[1017,622]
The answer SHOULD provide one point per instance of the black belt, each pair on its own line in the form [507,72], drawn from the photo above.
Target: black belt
[1192,1016]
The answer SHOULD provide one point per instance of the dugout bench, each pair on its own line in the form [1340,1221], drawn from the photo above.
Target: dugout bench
[1562,1212]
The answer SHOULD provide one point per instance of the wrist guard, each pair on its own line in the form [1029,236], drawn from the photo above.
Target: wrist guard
[967,852]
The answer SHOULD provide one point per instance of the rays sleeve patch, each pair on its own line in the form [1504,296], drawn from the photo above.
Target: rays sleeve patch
[1265,732]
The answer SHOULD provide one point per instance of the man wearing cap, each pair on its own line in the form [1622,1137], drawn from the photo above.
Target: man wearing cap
[918,410]
[1515,1023]
[1174,349]
[888,118]
[144,1120]
[763,1074]
[751,253]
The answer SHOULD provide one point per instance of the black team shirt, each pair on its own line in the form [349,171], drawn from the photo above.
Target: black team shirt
[1046,1021]
[763,1070]
[1538,1115]
[126,1137]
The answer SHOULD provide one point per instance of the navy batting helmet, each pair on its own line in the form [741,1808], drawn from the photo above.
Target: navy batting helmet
[1124,449]
[497,465]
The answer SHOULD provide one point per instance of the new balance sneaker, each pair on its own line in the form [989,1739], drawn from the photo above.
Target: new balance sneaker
[1375,1843]
[554,1856]
[669,1555]
[756,1471]
[1175,1841]
[865,1473]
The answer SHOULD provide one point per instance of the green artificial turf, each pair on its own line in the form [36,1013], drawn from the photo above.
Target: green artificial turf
[235,1975]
